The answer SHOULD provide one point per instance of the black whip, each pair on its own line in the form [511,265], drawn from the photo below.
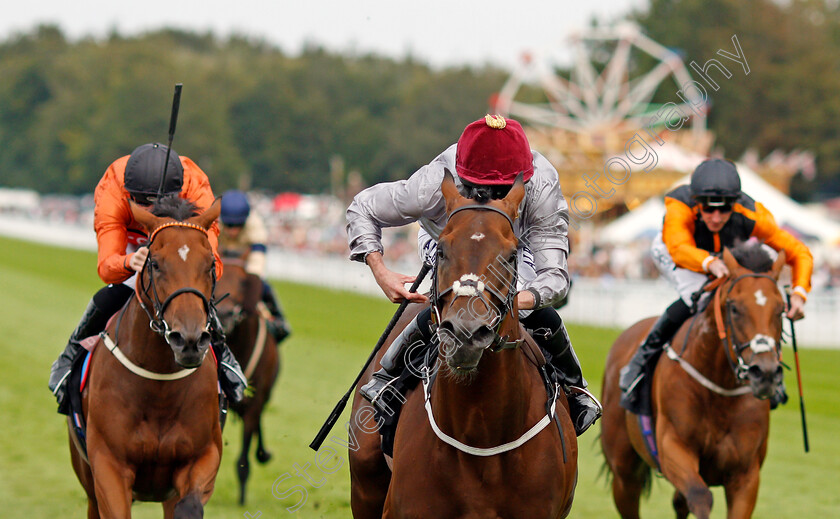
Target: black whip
[173,120]
[339,407]
[798,378]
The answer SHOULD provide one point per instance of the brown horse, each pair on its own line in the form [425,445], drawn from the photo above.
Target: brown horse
[151,404]
[709,397]
[243,317]
[489,440]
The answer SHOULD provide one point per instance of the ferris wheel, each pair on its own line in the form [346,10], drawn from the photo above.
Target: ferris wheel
[608,82]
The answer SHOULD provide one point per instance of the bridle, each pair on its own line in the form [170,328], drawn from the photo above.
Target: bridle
[157,323]
[726,328]
[477,288]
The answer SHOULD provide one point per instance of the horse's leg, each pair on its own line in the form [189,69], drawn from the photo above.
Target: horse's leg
[369,473]
[263,454]
[243,465]
[195,483]
[680,505]
[681,467]
[627,486]
[112,484]
[742,493]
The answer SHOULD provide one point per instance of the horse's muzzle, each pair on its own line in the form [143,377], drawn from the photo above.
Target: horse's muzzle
[189,349]
[463,343]
[764,380]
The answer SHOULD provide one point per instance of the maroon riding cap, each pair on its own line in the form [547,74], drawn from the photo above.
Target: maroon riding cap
[492,151]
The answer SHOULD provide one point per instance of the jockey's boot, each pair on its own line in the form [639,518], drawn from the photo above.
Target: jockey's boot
[278,326]
[584,408]
[663,331]
[93,321]
[231,378]
[411,342]
[780,397]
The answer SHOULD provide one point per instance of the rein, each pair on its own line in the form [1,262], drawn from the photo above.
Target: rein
[478,287]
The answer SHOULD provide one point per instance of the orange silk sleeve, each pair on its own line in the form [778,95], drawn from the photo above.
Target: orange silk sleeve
[678,235]
[797,254]
[111,218]
[197,190]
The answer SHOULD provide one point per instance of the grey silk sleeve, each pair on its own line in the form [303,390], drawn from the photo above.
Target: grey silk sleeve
[546,227]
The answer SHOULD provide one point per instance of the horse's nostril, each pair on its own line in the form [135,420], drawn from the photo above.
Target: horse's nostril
[204,340]
[755,372]
[176,340]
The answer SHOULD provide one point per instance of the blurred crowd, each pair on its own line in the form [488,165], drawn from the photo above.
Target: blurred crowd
[315,225]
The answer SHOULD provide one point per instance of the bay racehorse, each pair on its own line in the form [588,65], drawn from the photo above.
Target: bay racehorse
[151,403]
[709,396]
[243,318]
[485,437]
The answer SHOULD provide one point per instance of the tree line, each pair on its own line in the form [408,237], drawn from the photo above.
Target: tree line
[253,116]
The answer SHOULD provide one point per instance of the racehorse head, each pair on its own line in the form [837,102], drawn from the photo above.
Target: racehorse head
[240,292]
[179,276]
[748,308]
[475,279]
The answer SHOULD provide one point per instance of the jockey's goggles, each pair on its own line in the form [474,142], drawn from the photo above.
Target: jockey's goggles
[143,199]
[723,208]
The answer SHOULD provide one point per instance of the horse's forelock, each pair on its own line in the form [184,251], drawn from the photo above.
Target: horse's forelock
[751,255]
[173,206]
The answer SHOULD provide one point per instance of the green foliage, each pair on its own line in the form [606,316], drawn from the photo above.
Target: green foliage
[248,113]
[789,99]
[46,289]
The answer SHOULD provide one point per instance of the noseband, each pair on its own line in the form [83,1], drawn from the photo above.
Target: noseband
[473,286]
[156,322]
[726,329]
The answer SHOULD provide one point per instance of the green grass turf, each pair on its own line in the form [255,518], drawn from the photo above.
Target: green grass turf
[44,291]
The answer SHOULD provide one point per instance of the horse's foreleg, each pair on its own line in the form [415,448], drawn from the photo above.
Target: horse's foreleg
[680,505]
[681,467]
[263,454]
[112,484]
[243,465]
[742,494]
[195,483]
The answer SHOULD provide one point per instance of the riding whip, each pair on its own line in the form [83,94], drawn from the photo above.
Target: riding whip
[798,376]
[339,407]
[173,120]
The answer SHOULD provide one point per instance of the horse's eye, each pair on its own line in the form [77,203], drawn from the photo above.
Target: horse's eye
[440,254]
[154,264]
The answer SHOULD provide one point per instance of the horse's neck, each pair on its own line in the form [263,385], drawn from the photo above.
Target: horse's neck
[706,351]
[140,344]
[492,406]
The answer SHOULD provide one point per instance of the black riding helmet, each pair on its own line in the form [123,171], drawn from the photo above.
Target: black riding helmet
[144,169]
[716,182]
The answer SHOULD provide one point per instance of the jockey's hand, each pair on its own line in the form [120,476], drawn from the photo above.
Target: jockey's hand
[796,310]
[392,283]
[525,300]
[138,259]
[718,268]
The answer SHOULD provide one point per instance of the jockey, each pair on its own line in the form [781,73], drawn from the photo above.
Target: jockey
[489,155]
[700,220]
[122,252]
[243,234]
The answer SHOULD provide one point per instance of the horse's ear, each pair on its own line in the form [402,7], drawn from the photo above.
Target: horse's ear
[730,261]
[450,192]
[142,216]
[515,195]
[209,216]
[778,264]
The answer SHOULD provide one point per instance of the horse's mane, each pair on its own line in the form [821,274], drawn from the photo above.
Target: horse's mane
[173,206]
[751,255]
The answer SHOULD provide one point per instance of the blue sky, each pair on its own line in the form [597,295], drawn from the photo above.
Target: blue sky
[440,32]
